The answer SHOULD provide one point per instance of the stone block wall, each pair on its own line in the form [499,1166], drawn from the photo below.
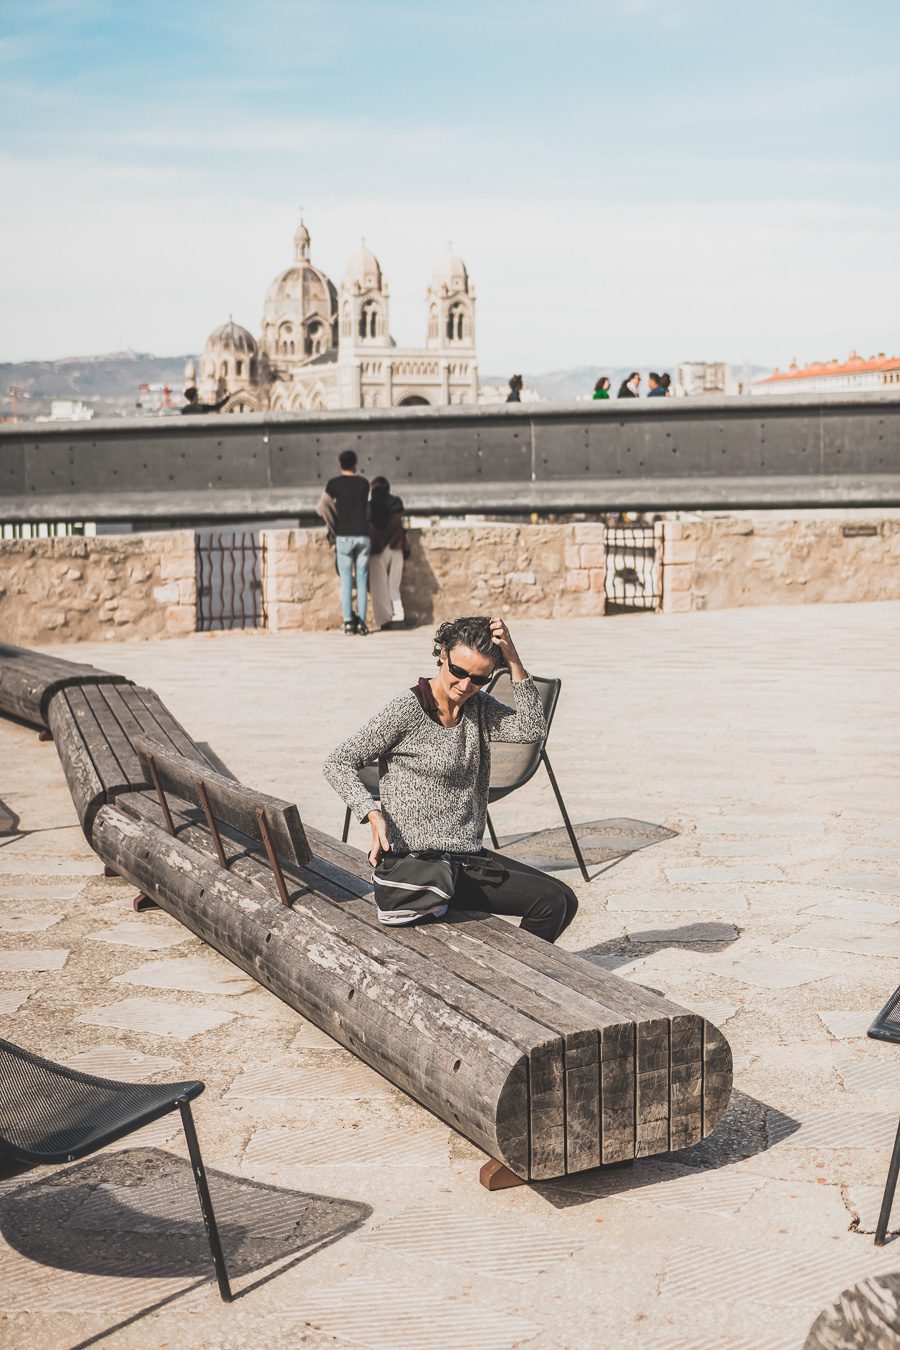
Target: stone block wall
[71,589]
[538,570]
[780,558]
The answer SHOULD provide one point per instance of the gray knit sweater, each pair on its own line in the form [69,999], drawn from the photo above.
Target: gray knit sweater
[433,779]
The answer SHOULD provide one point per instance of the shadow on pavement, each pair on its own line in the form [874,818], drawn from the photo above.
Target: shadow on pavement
[9,821]
[697,937]
[864,1317]
[745,1130]
[135,1213]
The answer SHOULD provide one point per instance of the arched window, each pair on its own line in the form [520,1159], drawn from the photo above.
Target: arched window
[315,338]
[368,319]
[433,321]
[238,368]
[223,371]
[456,318]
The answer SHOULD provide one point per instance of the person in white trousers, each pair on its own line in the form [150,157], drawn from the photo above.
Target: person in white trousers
[389,548]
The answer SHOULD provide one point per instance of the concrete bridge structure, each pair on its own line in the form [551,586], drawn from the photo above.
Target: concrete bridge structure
[662,455]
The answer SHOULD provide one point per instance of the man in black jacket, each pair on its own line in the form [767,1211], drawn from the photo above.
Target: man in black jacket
[193,405]
[344,508]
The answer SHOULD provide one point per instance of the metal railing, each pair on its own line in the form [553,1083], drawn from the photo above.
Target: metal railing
[633,569]
[230,568]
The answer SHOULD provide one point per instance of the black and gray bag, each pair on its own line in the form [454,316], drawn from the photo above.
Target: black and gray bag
[410,886]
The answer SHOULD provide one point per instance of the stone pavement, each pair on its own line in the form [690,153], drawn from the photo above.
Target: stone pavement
[738,775]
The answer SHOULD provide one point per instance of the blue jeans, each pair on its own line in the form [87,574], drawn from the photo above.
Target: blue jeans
[353,552]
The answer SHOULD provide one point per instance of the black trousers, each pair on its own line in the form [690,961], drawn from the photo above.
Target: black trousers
[500,885]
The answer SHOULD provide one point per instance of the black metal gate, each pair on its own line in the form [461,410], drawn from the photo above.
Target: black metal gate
[230,568]
[633,571]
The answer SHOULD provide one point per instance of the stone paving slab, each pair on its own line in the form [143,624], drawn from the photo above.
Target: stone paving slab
[32,958]
[205,974]
[863,911]
[29,892]
[401,1317]
[661,899]
[150,936]
[760,826]
[63,866]
[497,1248]
[156,1019]
[867,881]
[722,876]
[11,1000]
[309,1037]
[118,1061]
[12,921]
[751,849]
[767,972]
[373,1144]
[835,1128]
[864,1204]
[871,1079]
[848,1025]
[856,938]
[349,1078]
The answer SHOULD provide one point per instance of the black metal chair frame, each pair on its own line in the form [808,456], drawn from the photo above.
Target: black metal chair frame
[91,1113]
[550,690]
[886,1027]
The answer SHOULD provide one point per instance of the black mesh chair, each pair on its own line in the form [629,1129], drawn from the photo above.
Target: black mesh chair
[886,1027]
[511,765]
[51,1114]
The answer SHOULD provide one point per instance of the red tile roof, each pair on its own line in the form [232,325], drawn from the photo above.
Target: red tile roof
[854,365]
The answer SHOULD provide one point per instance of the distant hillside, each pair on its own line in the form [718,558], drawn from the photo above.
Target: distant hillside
[108,383]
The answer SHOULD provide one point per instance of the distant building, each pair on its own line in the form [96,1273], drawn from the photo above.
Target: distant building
[68,410]
[701,377]
[324,346]
[855,375]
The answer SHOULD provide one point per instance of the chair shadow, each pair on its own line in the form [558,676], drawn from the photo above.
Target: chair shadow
[619,951]
[136,1214]
[603,843]
[748,1127]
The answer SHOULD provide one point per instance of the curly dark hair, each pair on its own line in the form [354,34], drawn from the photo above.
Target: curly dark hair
[474,632]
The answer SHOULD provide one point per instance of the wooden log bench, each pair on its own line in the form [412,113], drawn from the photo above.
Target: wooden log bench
[548,1063]
[29,680]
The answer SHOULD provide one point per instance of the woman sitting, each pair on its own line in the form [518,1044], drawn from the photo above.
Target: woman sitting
[432,746]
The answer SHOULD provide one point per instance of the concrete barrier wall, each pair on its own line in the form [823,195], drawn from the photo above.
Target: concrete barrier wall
[656,454]
[80,590]
[756,558]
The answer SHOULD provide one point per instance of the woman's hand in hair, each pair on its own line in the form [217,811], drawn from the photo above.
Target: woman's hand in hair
[507,649]
[380,842]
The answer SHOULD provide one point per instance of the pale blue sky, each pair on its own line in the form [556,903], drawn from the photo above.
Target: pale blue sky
[627,182]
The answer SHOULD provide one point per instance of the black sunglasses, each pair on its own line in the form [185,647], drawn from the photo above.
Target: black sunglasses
[459,674]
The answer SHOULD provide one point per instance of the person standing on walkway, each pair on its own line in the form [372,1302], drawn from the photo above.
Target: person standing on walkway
[344,508]
[193,406]
[601,388]
[432,744]
[657,389]
[629,388]
[516,384]
[389,548]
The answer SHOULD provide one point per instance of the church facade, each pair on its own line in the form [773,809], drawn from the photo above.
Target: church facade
[323,346]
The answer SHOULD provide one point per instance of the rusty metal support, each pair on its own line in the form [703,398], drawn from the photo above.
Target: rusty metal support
[151,765]
[273,856]
[211,822]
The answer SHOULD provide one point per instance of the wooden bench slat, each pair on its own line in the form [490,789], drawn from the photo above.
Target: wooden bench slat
[170,729]
[132,775]
[84,782]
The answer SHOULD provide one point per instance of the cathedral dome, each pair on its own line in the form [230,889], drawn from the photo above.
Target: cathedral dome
[364,270]
[231,337]
[451,273]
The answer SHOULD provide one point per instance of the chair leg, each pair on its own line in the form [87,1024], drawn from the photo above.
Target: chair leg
[890,1188]
[346,826]
[491,832]
[565,815]
[206,1209]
